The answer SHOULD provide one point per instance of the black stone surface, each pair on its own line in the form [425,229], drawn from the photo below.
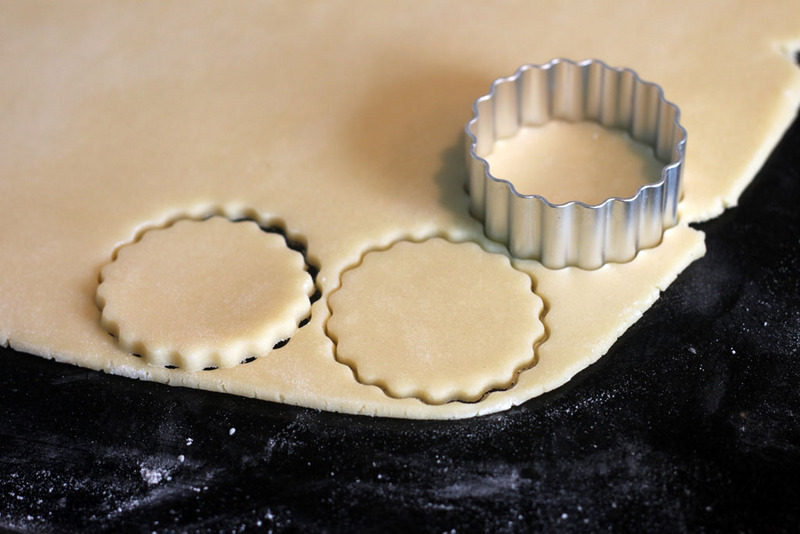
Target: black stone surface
[690,423]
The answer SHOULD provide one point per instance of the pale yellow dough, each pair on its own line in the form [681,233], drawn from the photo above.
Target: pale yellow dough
[343,122]
[536,154]
[204,294]
[436,320]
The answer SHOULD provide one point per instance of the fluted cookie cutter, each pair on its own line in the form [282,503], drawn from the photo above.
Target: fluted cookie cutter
[575,233]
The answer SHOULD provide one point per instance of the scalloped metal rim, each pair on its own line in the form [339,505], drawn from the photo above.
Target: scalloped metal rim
[570,252]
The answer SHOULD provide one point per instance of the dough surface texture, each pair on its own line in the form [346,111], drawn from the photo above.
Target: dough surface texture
[342,124]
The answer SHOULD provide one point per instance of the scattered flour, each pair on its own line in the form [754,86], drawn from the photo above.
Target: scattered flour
[151,476]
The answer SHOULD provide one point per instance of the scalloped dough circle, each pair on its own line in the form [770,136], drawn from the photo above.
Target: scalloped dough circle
[436,320]
[204,294]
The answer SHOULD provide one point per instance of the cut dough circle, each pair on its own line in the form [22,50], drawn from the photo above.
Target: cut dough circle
[436,320]
[202,294]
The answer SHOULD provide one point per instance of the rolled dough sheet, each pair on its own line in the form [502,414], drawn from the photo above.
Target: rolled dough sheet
[341,123]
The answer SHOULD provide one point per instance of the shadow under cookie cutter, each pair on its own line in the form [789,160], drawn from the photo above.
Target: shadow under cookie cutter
[575,233]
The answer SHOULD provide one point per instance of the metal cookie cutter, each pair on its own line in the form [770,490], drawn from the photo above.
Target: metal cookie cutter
[575,233]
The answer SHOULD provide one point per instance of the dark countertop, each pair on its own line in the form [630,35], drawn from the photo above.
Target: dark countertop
[691,422]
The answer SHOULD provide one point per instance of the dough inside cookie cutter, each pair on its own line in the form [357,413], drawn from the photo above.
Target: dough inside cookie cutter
[574,232]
